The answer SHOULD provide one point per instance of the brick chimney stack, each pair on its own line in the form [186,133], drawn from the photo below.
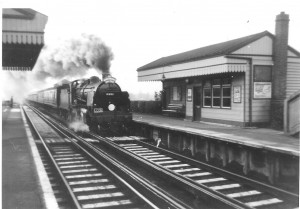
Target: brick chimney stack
[280,48]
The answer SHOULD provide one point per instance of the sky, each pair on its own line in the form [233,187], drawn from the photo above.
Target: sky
[139,32]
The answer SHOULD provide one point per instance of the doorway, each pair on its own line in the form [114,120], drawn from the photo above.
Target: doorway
[197,103]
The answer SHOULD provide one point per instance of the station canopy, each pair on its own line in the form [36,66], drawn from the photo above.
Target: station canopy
[22,38]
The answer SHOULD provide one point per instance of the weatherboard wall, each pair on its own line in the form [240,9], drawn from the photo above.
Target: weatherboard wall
[234,114]
[260,53]
[293,76]
[261,108]
[263,46]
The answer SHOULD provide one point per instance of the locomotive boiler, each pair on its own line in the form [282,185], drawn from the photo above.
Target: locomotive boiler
[102,105]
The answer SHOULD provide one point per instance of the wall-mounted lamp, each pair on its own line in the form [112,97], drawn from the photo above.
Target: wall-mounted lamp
[163,77]
[187,80]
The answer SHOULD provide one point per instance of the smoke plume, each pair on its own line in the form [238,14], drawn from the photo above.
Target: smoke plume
[70,59]
[74,57]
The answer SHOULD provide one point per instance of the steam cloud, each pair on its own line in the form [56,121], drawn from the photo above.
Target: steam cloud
[79,126]
[71,59]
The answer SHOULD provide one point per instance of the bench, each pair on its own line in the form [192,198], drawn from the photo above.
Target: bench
[174,110]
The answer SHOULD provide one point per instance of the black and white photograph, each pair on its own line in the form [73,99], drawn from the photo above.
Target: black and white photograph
[163,104]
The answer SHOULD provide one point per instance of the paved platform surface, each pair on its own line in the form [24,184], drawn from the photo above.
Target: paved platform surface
[20,183]
[261,138]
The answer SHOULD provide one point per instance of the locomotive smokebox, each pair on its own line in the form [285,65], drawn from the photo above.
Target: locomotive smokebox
[105,75]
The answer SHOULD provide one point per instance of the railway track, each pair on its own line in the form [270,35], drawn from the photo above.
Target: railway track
[225,189]
[240,191]
[88,181]
[64,200]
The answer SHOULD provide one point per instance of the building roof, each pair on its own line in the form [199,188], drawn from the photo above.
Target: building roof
[22,37]
[214,50]
[16,13]
[23,26]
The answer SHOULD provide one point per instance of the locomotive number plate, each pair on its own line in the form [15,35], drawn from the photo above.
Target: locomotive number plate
[97,110]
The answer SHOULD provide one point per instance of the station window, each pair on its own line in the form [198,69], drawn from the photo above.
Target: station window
[176,93]
[207,94]
[217,93]
[226,96]
[262,73]
[262,82]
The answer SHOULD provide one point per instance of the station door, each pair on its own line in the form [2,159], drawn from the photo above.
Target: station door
[197,103]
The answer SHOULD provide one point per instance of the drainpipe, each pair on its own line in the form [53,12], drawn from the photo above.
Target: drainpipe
[250,85]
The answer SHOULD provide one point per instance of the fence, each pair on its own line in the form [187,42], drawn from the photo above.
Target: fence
[292,114]
[150,107]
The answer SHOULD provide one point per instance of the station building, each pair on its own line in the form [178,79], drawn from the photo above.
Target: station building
[240,82]
[22,38]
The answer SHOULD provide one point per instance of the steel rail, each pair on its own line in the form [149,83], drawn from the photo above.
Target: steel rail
[52,122]
[147,184]
[78,206]
[277,191]
[198,189]
[63,130]
[285,195]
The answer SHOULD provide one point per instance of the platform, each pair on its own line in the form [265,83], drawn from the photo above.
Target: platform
[21,187]
[261,138]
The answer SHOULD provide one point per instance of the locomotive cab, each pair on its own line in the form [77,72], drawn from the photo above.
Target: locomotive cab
[83,91]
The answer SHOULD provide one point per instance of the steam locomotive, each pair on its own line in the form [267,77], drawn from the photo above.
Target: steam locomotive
[102,105]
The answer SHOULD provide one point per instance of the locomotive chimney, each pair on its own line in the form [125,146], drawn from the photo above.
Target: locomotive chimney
[280,48]
[105,75]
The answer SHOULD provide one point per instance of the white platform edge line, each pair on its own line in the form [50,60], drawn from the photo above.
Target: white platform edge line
[47,191]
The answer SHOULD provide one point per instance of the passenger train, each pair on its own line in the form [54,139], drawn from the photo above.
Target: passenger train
[102,105]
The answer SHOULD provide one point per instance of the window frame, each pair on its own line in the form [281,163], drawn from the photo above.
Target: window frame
[256,68]
[213,97]
[226,97]
[189,94]
[207,86]
[221,86]
[178,93]
[261,81]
